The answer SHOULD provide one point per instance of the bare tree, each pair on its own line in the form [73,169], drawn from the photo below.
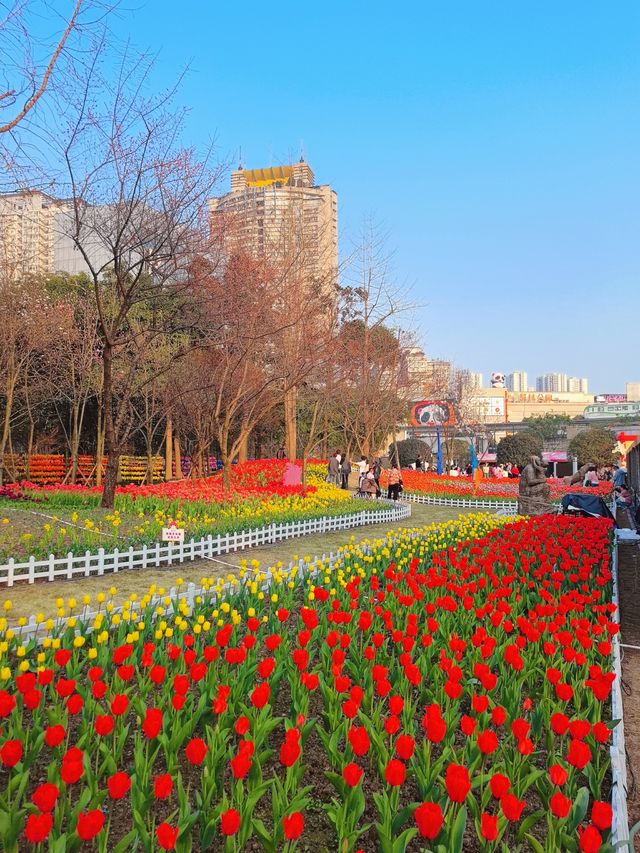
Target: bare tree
[369,356]
[30,324]
[138,219]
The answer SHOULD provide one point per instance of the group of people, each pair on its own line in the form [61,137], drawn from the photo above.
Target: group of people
[340,467]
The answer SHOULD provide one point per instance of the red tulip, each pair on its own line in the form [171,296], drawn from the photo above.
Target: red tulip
[152,723]
[395,772]
[229,822]
[487,742]
[293,825]
[196,751]
[119,704]
[104,724]
[11,753]
[405,746]
[38,827]
[499,785]
[558,774]
[7,703]
[429,820]
[560,805]
[489,826]
[89,824]
[352,774]
[45,796]
[579,754]
[118,785]
[512,807]
[457,782]
[260,695]
[602,814]
[162,786]
[167,836]
[590,839]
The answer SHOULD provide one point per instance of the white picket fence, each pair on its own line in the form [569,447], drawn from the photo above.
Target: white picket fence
[167,554]
[507,507]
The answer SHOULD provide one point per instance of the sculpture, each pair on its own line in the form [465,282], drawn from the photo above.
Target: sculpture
[577,479]
[534,492]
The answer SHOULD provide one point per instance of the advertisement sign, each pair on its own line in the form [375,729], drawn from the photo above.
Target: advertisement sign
[433,413]
[555,456]
[490,408]
[611,398]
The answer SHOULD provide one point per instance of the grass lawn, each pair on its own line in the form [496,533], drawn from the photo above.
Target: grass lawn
[29,599]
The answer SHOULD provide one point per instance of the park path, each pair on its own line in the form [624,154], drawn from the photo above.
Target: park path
[36,598]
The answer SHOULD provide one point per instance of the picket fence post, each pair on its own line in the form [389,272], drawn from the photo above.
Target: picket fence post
[116,561]
[100,561]
[69,565]
[32,569]
[52,567]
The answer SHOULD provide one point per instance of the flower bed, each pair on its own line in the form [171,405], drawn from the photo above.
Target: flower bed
[442,691]
[202,507]
[489,488]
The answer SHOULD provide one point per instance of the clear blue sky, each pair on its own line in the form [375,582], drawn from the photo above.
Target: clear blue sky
[498,143]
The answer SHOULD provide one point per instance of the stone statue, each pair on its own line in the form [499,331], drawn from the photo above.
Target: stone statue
[577,479]
[534,493]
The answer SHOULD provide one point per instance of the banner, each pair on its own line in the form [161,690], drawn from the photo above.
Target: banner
[433,413]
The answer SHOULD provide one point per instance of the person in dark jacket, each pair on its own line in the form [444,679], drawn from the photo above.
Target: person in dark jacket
[345,470]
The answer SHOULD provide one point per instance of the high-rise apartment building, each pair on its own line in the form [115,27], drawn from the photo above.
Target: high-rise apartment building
[27,232]
[278,213]
[577,386]
[476,380]
[633,392]
[517,381]
[560,383]
[552,383]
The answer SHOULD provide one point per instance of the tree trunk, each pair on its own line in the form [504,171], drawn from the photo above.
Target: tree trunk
[243,450]
[99,446]
[226,472]
[110,479]
[6,427]
[168,454]
[111,446]
[177,456]
[75,441]
[291,423]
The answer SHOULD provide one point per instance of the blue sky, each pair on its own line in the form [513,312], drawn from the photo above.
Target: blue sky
[497,143]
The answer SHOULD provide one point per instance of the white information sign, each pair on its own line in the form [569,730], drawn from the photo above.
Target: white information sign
[172,534]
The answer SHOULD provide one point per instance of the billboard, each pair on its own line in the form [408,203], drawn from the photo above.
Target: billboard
[490,409]
[611,398]
[432,413]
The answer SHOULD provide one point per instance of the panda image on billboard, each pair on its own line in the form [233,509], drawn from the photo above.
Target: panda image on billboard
[432,414]
[498,380]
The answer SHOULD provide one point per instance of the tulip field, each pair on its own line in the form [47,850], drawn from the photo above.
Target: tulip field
[445,690]
[57,519]
[492,488]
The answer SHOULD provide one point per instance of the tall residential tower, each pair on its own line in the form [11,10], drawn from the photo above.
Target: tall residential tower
[279,212]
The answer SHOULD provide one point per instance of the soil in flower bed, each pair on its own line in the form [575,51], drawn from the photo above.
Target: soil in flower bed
[629,593]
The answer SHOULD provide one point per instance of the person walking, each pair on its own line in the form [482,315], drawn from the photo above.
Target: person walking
[281,454]
[345,470]
[394,484]
[419,463]
[377,471]
[333,470]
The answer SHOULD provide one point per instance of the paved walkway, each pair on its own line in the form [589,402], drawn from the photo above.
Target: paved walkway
[36,598]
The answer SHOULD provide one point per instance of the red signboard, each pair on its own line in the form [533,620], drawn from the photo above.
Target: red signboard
[432,413]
